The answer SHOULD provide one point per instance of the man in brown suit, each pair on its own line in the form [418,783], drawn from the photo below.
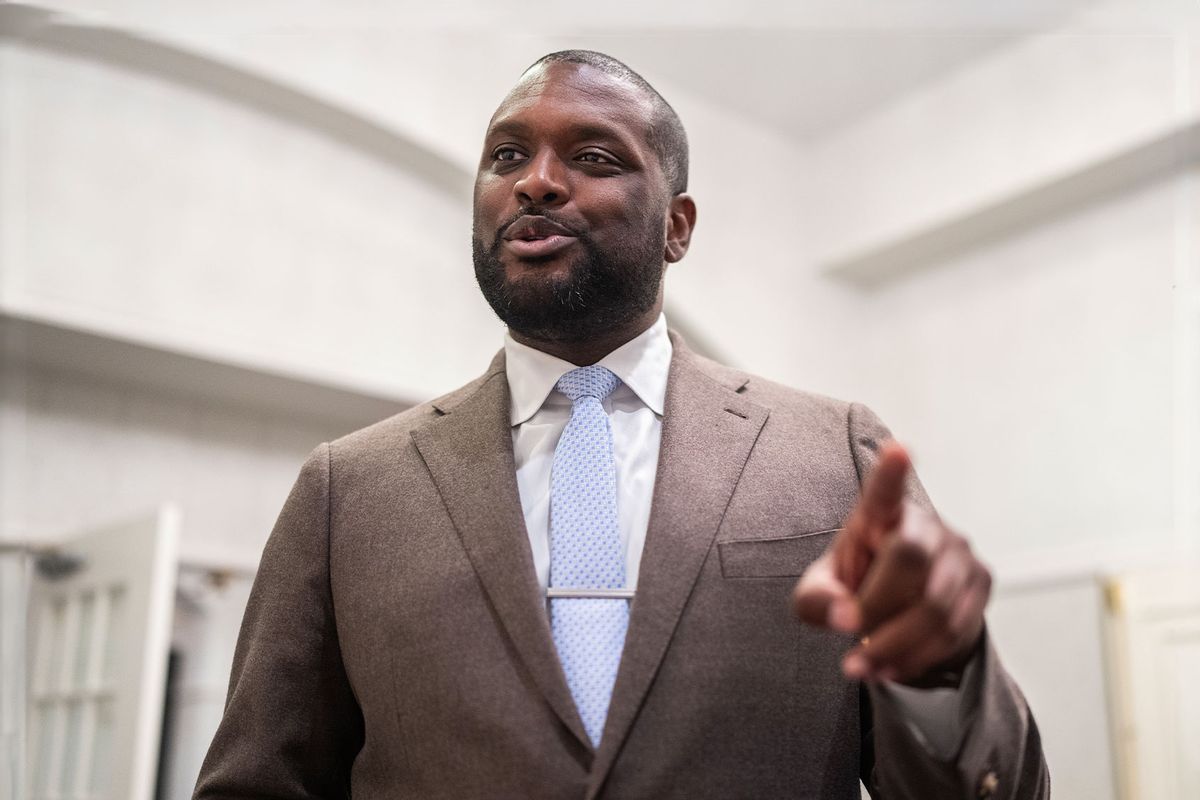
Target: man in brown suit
[398,642]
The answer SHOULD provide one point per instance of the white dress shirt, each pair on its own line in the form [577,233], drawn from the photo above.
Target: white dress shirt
[635,410]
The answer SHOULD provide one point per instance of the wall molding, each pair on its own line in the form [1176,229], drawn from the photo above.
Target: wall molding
[40,28]
[125,362]
[1143,163]
[1085,562]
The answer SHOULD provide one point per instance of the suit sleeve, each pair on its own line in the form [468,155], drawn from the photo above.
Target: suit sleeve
[1001,752]
[291,726]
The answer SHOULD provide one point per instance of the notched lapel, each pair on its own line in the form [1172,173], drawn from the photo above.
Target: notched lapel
[469,455]
[707,435]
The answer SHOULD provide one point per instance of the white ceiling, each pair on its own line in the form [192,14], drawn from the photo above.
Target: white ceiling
[802,83]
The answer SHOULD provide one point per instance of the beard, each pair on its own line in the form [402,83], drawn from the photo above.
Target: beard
[602,291]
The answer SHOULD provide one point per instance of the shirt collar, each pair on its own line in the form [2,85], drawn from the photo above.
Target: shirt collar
[642,364]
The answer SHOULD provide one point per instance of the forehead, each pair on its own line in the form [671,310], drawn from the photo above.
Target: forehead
[564,93]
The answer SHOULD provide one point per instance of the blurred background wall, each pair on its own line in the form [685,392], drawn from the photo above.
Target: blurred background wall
[227,230]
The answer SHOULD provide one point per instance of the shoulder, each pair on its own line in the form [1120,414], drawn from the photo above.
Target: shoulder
[856,419]
[383,442]
[821,428]
[775,397]
[806,421]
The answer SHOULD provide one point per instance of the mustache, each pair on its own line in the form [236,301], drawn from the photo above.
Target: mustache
[533,212]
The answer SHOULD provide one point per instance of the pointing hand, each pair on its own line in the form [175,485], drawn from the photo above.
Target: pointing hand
[900,578]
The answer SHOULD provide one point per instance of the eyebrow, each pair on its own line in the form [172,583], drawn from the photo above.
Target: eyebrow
[588,130]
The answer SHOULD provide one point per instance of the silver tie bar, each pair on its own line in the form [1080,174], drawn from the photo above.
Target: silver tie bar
[618,594]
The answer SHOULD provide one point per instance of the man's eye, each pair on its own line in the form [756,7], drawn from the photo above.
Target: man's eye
[507,154]
[595,158]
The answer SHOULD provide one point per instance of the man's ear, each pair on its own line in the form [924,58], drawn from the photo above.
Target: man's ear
[681,220]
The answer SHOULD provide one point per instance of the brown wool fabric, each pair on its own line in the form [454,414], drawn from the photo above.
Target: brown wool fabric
[396,644]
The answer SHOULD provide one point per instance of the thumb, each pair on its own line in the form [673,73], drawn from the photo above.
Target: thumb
[822,600]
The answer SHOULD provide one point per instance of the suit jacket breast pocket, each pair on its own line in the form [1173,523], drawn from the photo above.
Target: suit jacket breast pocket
[778,557]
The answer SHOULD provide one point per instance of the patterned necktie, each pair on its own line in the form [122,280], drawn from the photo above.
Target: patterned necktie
[585,547]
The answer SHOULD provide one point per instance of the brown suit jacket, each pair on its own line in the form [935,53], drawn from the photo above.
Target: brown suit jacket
[396,644]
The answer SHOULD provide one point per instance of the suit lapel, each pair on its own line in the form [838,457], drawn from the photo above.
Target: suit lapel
[707,435]
[469,455]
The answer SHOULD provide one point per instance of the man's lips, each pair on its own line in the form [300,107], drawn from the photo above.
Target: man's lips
[538,248]
[537,237]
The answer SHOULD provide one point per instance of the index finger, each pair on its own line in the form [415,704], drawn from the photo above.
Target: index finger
[883,493]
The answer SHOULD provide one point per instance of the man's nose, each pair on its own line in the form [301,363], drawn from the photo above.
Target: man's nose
[543,182]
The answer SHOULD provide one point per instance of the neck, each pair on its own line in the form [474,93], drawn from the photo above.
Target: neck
[590,351]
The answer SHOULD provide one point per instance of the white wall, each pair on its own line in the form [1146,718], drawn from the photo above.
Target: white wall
[1046,379]
[78,451]
[1034,379]
[169,216]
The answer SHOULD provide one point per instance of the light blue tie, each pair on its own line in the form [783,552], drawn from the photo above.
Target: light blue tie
[585,547]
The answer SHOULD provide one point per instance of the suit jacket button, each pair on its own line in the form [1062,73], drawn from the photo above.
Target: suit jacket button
[988,785]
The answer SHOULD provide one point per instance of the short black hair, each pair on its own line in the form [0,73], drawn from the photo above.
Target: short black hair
[666,135]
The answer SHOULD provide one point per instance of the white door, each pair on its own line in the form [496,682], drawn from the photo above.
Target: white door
[100,617]
[1154,660]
